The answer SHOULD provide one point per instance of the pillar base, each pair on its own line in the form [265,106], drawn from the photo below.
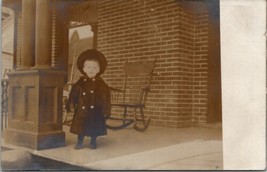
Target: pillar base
[42,67]
[35,141]
[35,109]
[24,68]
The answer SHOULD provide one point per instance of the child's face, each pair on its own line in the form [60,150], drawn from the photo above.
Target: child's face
[91,68]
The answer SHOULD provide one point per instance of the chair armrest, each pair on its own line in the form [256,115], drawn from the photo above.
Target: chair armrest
[116,89]
[70,83]
[146,89]
[117,95]
[156,74]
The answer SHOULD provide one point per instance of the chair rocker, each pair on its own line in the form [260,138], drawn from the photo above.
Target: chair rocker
[136,85]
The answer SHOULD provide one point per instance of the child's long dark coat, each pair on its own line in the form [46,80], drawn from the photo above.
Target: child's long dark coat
[91,100]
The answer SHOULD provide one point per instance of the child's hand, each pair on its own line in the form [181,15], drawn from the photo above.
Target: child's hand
[70,113]
[69,108]
[107,116]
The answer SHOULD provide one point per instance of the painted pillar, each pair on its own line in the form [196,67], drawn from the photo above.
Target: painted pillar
[35,97]
[28,34]
[43,35]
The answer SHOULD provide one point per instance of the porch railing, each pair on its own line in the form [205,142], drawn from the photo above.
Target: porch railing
[4,104]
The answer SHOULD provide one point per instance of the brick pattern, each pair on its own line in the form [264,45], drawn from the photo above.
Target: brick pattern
[18,33]
[201,68]
[60,34]
[145,30]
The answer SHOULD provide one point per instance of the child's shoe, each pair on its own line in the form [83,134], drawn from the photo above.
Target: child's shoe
[78,146]
[92,145]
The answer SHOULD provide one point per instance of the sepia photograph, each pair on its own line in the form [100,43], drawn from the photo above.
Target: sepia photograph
[133,85]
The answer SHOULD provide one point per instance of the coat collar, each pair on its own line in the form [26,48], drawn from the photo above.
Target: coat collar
[86,78]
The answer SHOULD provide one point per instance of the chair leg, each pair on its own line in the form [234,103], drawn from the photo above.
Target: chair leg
[135,117]
[144,121]
[125,122]
[124,115]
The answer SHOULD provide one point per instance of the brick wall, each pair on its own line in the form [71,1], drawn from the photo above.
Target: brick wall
[144,30]
[201,68]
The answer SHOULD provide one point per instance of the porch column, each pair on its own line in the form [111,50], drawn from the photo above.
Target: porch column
[35,95]
[28,33]
[43,35]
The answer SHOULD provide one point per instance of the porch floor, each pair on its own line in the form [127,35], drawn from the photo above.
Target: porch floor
[159,148]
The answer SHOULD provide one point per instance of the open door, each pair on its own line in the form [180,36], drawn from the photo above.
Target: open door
[214,68]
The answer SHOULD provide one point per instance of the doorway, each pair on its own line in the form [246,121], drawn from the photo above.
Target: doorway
[214,64]
[81,38]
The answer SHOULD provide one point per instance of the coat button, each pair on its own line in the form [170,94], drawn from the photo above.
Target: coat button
[92,91]
[84,93]
[83,107]
[93,79]
[92,107]
[84,79]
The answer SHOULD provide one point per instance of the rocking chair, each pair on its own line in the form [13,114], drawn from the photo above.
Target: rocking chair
[136,85]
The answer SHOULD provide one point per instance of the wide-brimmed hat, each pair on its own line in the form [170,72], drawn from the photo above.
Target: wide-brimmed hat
[92,54]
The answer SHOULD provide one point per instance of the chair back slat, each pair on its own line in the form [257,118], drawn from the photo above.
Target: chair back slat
[135,69]
[137,79]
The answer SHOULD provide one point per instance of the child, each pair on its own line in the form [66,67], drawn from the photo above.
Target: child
[90,98]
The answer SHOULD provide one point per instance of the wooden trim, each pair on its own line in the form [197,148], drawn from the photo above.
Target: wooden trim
[214,65]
